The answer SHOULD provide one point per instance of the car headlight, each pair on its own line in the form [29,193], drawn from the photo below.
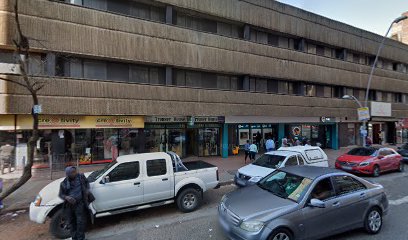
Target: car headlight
[363,164]
[255,179]
[37,201]
[252,226]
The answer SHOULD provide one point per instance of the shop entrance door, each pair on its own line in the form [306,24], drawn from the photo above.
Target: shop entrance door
[191,142]
[376,133]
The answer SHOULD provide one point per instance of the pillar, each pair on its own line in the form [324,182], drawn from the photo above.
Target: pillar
[335,136]
[281,131]
[224,148]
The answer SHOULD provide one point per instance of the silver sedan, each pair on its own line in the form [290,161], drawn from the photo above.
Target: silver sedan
[303,202]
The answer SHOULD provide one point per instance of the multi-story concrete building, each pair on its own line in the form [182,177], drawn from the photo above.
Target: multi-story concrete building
[399,31]
[195,77]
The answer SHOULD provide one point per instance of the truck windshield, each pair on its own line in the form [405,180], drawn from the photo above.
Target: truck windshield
[286,185]
[97,174]
[269,161]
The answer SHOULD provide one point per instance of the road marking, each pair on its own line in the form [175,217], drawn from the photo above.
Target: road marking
[399,201]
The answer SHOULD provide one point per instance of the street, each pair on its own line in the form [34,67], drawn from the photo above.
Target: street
[168,223]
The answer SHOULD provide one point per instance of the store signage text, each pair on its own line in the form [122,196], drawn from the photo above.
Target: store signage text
[182,119]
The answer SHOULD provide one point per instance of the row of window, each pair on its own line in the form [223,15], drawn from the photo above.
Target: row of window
[145,10]
[134,73]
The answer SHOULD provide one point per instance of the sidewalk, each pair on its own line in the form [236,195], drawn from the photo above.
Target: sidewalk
[41,177]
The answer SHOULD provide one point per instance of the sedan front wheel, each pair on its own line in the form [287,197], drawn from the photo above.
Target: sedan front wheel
[281,234]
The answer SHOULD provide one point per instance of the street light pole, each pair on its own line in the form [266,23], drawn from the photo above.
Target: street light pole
[351,97]
[397,20]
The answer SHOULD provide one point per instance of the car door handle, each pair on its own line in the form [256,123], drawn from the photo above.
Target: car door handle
[165,179]
[136,183]
[336,204]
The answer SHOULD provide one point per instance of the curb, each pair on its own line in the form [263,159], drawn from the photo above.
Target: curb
[225,183]
[10,210]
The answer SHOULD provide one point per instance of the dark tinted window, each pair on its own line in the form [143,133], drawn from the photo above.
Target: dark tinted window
[362,151]
[269,161]
[323,190]
[156,167]
[124,171]
[292,161]
[347,184]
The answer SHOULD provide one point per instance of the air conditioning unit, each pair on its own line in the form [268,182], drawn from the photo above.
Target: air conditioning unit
[9,68]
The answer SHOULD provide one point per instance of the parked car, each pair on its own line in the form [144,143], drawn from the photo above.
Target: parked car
[370,161]
[130,183]
[403,151]
[284,156]
[303,203]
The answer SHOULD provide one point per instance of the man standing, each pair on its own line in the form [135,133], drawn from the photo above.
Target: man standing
[246,149]
[253,150]
[270,145]
[74,190]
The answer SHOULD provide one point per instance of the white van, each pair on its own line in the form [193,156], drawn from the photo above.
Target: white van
[283,157]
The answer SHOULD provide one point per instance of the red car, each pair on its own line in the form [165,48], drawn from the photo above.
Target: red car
[370,161]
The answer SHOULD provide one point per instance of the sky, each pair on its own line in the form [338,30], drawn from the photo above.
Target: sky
[372,15]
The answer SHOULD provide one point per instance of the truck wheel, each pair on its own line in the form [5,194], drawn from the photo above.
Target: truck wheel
[189,200]
[59,227]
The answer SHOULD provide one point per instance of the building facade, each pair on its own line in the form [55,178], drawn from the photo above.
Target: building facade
[399,31]
[195,77]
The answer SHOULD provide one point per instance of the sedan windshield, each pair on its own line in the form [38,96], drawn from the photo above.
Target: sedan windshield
[97,174]
[269,161]
[362,152]
[286,185]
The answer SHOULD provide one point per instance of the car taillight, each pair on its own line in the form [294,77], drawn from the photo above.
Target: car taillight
[218,177]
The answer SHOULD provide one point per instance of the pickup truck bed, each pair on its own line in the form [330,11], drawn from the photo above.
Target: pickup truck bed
[195,165]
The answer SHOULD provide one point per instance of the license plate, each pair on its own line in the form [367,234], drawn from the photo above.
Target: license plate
[347,168]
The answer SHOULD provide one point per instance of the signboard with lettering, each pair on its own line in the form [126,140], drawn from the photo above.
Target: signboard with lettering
[195,119]
[70,122]
[363,113]
[381,109]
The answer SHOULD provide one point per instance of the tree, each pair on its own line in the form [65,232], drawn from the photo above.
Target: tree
[33,86]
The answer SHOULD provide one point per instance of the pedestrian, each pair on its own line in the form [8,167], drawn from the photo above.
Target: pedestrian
[297,142]
[74,190]
[246,149]
[285,142]
[1,190]
[258,139]
[270,145]
[253,150]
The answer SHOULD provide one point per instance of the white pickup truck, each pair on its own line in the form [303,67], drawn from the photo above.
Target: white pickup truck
[131,183]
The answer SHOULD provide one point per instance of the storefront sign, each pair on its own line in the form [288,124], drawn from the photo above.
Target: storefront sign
[159,119]
[71,122]
[381,109]
[363,114]
[327,119]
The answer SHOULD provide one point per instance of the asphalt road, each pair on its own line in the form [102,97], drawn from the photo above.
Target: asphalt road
[168,224]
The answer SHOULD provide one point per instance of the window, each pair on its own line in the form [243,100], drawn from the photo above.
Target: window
[328,92]
[295,88]
[273,40]
[139,74]
[356,58]
[292,161]
[273,86]
[301,160]
[310,90]
[319,50]
[283,87]
[156,167]
[97,4]
[323,190]
[118,72]
[347,184]
[338,92]
[398,97]
[195,22]
[314,155]
[340,54]
[124,171]
[320,91]
[95,69]
[261,85]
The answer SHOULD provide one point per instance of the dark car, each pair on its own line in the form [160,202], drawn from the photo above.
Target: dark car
[403,150]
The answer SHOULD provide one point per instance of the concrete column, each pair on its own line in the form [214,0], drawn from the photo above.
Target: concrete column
[224,148]
[247,32]
[335,136]
[281,134]
[169,76]
[169,14]
[50,64]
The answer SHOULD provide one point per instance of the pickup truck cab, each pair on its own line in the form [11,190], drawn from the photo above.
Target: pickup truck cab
[283,157]
[131,183]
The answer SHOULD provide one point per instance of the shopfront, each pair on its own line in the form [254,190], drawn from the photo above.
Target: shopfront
[88,139]
[186,136]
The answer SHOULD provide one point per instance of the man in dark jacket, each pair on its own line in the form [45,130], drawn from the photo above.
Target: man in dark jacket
[74,190]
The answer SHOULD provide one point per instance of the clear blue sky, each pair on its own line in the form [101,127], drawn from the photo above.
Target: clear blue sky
[372,15]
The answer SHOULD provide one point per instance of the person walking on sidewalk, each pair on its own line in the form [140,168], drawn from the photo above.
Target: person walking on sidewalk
[74,190]
[246,149]
[270,144]
[253,150]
